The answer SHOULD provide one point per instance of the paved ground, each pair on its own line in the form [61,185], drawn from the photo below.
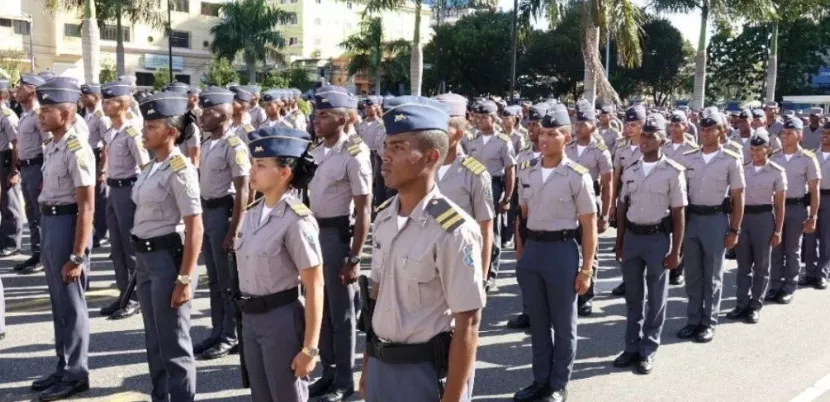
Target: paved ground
[785,357]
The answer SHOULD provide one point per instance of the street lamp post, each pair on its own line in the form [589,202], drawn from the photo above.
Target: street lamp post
[170,39]
[514,44]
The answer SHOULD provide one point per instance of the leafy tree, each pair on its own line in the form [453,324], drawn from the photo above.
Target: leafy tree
[10,64]
[665,58]
[735,63]
[248,28]
[304,106]
[297,77]
[803,45]
[396,72]
[552,62]
[220,73]
[161,77]
[367,49]
[107,72]
[274,79]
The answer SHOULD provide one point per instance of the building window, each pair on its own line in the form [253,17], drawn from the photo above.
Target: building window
[317,21]
[72,30]
[292,41]
[349,5]
[144,79]
[108,32]
[317,41]
[21,27]
[182,6]
[183,78]
[5,22]
[180,39]
[293,1]
[319,1]
[283,1]
[292,19]
[210,9]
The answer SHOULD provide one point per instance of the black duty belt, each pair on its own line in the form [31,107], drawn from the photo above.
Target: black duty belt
[757,209]
[264,304]
[705,209]
[36,161]
[645,229]
[117,183]
[410,353]
[6,158]
[226,201]
[558,235]
[334,222]
[797,201]
[170,241]
[54,210]
[825,191]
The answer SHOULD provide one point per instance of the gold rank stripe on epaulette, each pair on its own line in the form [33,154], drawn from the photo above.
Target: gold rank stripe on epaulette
[6,111]
[732,153]
[601,146]
[73,144]
[808,153]
[354,149]
[177,163]
[503,137]
[234,141]
[691,151]
[524,165]
[300,209]
[98,113]
[577,167]
[132,132]
[473,165]
[777,166]
[446,215]
[674,164]
[384,204]
[620,142]
[130,115]
[248,128]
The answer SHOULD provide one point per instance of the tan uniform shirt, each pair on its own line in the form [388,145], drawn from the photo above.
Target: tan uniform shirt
[29,137]
[271,254]
[342,174]
[625,154]
[125,152]
[162,197]
[763,184]
[372,132]
[67,165]
[99,125]
[595,157]
[220,163]
[496,155]
[677,153]
[427,270]
[801,168]
[710,182]
[467,184]
[651,196]
[568,187]
[8,127]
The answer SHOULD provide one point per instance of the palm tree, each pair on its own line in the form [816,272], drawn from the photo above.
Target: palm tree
[619,19]
[367,49]
[754,10]
[248,27]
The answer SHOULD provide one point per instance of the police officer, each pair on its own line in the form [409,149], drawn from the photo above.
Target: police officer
[422,236]
[294,114]
[811,135]
[273,106]
[548,268]
[713,173]
[241,118]
[278,249]
[692,129]
[189,144]
[610,136]
[766,187]
[125,156]
[341,188]
[745,132]
[495,150]
[255,110]
[803,177]
[99,126]
[678,142]
[518,137]
[11,210]
[464,180]
[223,186]
[817,258]
[167,193]
[588,149]
[66,203]
[372,131]
[193,101]
[28,154]
[651,223]
[773,124]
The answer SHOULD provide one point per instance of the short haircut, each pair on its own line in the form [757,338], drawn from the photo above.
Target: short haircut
[433,139]
[459,122]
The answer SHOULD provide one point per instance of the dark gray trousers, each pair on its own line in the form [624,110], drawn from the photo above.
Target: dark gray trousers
[753,255]
[11,212]
[407,382]
[785,263]
[120,214]
[337,335]
[2,309]
[497,184]
[217,223]
[703,255]
[646,290]
[32,182]
[99,221]
[817,246]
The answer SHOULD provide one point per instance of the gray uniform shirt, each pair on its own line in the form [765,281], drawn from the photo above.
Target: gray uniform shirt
[801,168]
[746,146]
[710,182]
[676,153]
[595,157]
[496,155]
[271,253]
[125,152]
[517,138]
[527,154]
[824,165]
[194,141]
[162,197]
[651,196]
[99,125]
[811,138]
[626,154]
[427,270]
[257,116]
[343,173]
[372,132]
[8,127]
[220,163]
[568,187]
[692,129]
[467,184]
[610,138]
[298,119]
[775,128]
[67,165]
[762,184]
[29,137]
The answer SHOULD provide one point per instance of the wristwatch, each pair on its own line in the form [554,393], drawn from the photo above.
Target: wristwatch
[76,259]
[353,260]
[812,217]
[183,279]
[311,352]
[603,218]
[589,271]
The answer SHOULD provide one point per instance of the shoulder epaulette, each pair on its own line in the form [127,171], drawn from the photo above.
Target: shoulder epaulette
[384,204]
[248,128]
[675,165]
[601,146]
[732,153]
[73,144]
[473,165]
[298,207]
[98,113]
[691,151]
[621,141]
[808,153]
[692,145]
[526,147]
[130,115]
[503,137]
[234,141]
[447,216]
[528,164]
[6,111]
[777,166]
[253,204]
[177,163]
[353,146]
[577,167]
[132,132]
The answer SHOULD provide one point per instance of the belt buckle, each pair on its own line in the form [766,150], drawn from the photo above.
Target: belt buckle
[149,245]
[54,210]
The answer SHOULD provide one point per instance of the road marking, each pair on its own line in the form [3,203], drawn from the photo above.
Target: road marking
[33,305]
[815,391]
[130,396]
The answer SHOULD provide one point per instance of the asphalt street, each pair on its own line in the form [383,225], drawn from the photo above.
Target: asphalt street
[786,357]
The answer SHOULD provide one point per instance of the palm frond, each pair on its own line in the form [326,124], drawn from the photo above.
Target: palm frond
[624,20]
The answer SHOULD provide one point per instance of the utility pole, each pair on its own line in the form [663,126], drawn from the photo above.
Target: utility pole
[31,43]
[170,38]
[514,44]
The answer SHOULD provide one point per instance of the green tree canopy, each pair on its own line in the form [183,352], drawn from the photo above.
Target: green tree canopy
[367,50]
[220,73]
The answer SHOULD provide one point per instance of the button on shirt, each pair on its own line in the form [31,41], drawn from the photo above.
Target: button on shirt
[340,176]
[710,182]
[99,125]
[270,254]
[164,196]
[8,127]
[67,165]
[762,184]
[425,273]
[471,191]
[651,195]
[571,191]
[125,152]
[595,157]
[497,154]
[220,164]
[801,168]
[29,137]
[372,132]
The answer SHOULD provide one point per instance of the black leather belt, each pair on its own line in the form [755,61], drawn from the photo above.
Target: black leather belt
[797,201]
[757,209]
[334,222]
[645,229]
[558,235]
[117,183]
[6,158]
[170,241]
[36,161]
[264,304]
[409,353]
[825,191]
[54,210]
[226,201]
[705,209]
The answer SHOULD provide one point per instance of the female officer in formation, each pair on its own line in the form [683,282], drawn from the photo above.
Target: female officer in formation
[166,192]
[277,249]
[766,186]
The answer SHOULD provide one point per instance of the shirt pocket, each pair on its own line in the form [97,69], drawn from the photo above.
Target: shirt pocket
[121,153]
[56,174]
[420,284]
[267,262]
[152,199]
[216,162]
